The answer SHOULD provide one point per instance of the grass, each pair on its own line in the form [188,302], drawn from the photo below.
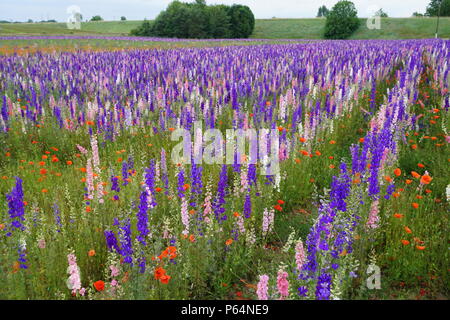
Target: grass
[24,46]
[391,28]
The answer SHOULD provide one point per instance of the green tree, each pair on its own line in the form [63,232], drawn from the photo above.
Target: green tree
[219,22]
[144,30]
[433,8]
[198,20]
[323,12]
[96,18]
[123,18]
[342,21]
[381,13]
[242,21]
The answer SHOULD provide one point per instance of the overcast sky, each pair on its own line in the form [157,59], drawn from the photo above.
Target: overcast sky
[22,10]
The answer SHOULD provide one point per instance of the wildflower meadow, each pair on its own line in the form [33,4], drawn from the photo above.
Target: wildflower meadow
[241,169]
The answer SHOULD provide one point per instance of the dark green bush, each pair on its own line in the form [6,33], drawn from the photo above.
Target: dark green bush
[96,18]
[198,20]
[342,21]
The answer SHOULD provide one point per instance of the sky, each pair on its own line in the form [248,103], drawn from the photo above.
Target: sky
[22,10]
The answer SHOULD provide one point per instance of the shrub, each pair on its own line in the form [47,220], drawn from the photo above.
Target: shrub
[242,21]
[322,12]
[96,18]
[144,30]
[198,20]
[123,18]
[438,7]
[342,21]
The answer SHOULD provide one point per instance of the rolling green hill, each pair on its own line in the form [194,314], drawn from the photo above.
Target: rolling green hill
[391,28]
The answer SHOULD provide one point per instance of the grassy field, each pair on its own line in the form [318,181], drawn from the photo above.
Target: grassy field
[391,28]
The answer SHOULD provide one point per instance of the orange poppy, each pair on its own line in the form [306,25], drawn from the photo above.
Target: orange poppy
[302,139]
[228,242]
[405,242]
[91,253]
[398,215]
[415,205]
[408,230]
[42,171]
[414,146]
[361,140]
[69,163]
[420,165]
[332,142]
[415,174]
[236,214]
[420,247]
[158,189]
[407,181]
[397,172]
[426,179]
[280,202]
[44,190]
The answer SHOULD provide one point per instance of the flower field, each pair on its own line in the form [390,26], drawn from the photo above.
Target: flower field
[93,205]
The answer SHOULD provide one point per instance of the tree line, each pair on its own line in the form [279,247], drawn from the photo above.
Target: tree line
[201,21]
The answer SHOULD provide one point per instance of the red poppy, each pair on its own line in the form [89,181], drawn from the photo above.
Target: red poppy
[278,207]
[99,285]
[159,272]
[165,279]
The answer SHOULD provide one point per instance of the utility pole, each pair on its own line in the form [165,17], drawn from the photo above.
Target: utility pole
[439,13]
